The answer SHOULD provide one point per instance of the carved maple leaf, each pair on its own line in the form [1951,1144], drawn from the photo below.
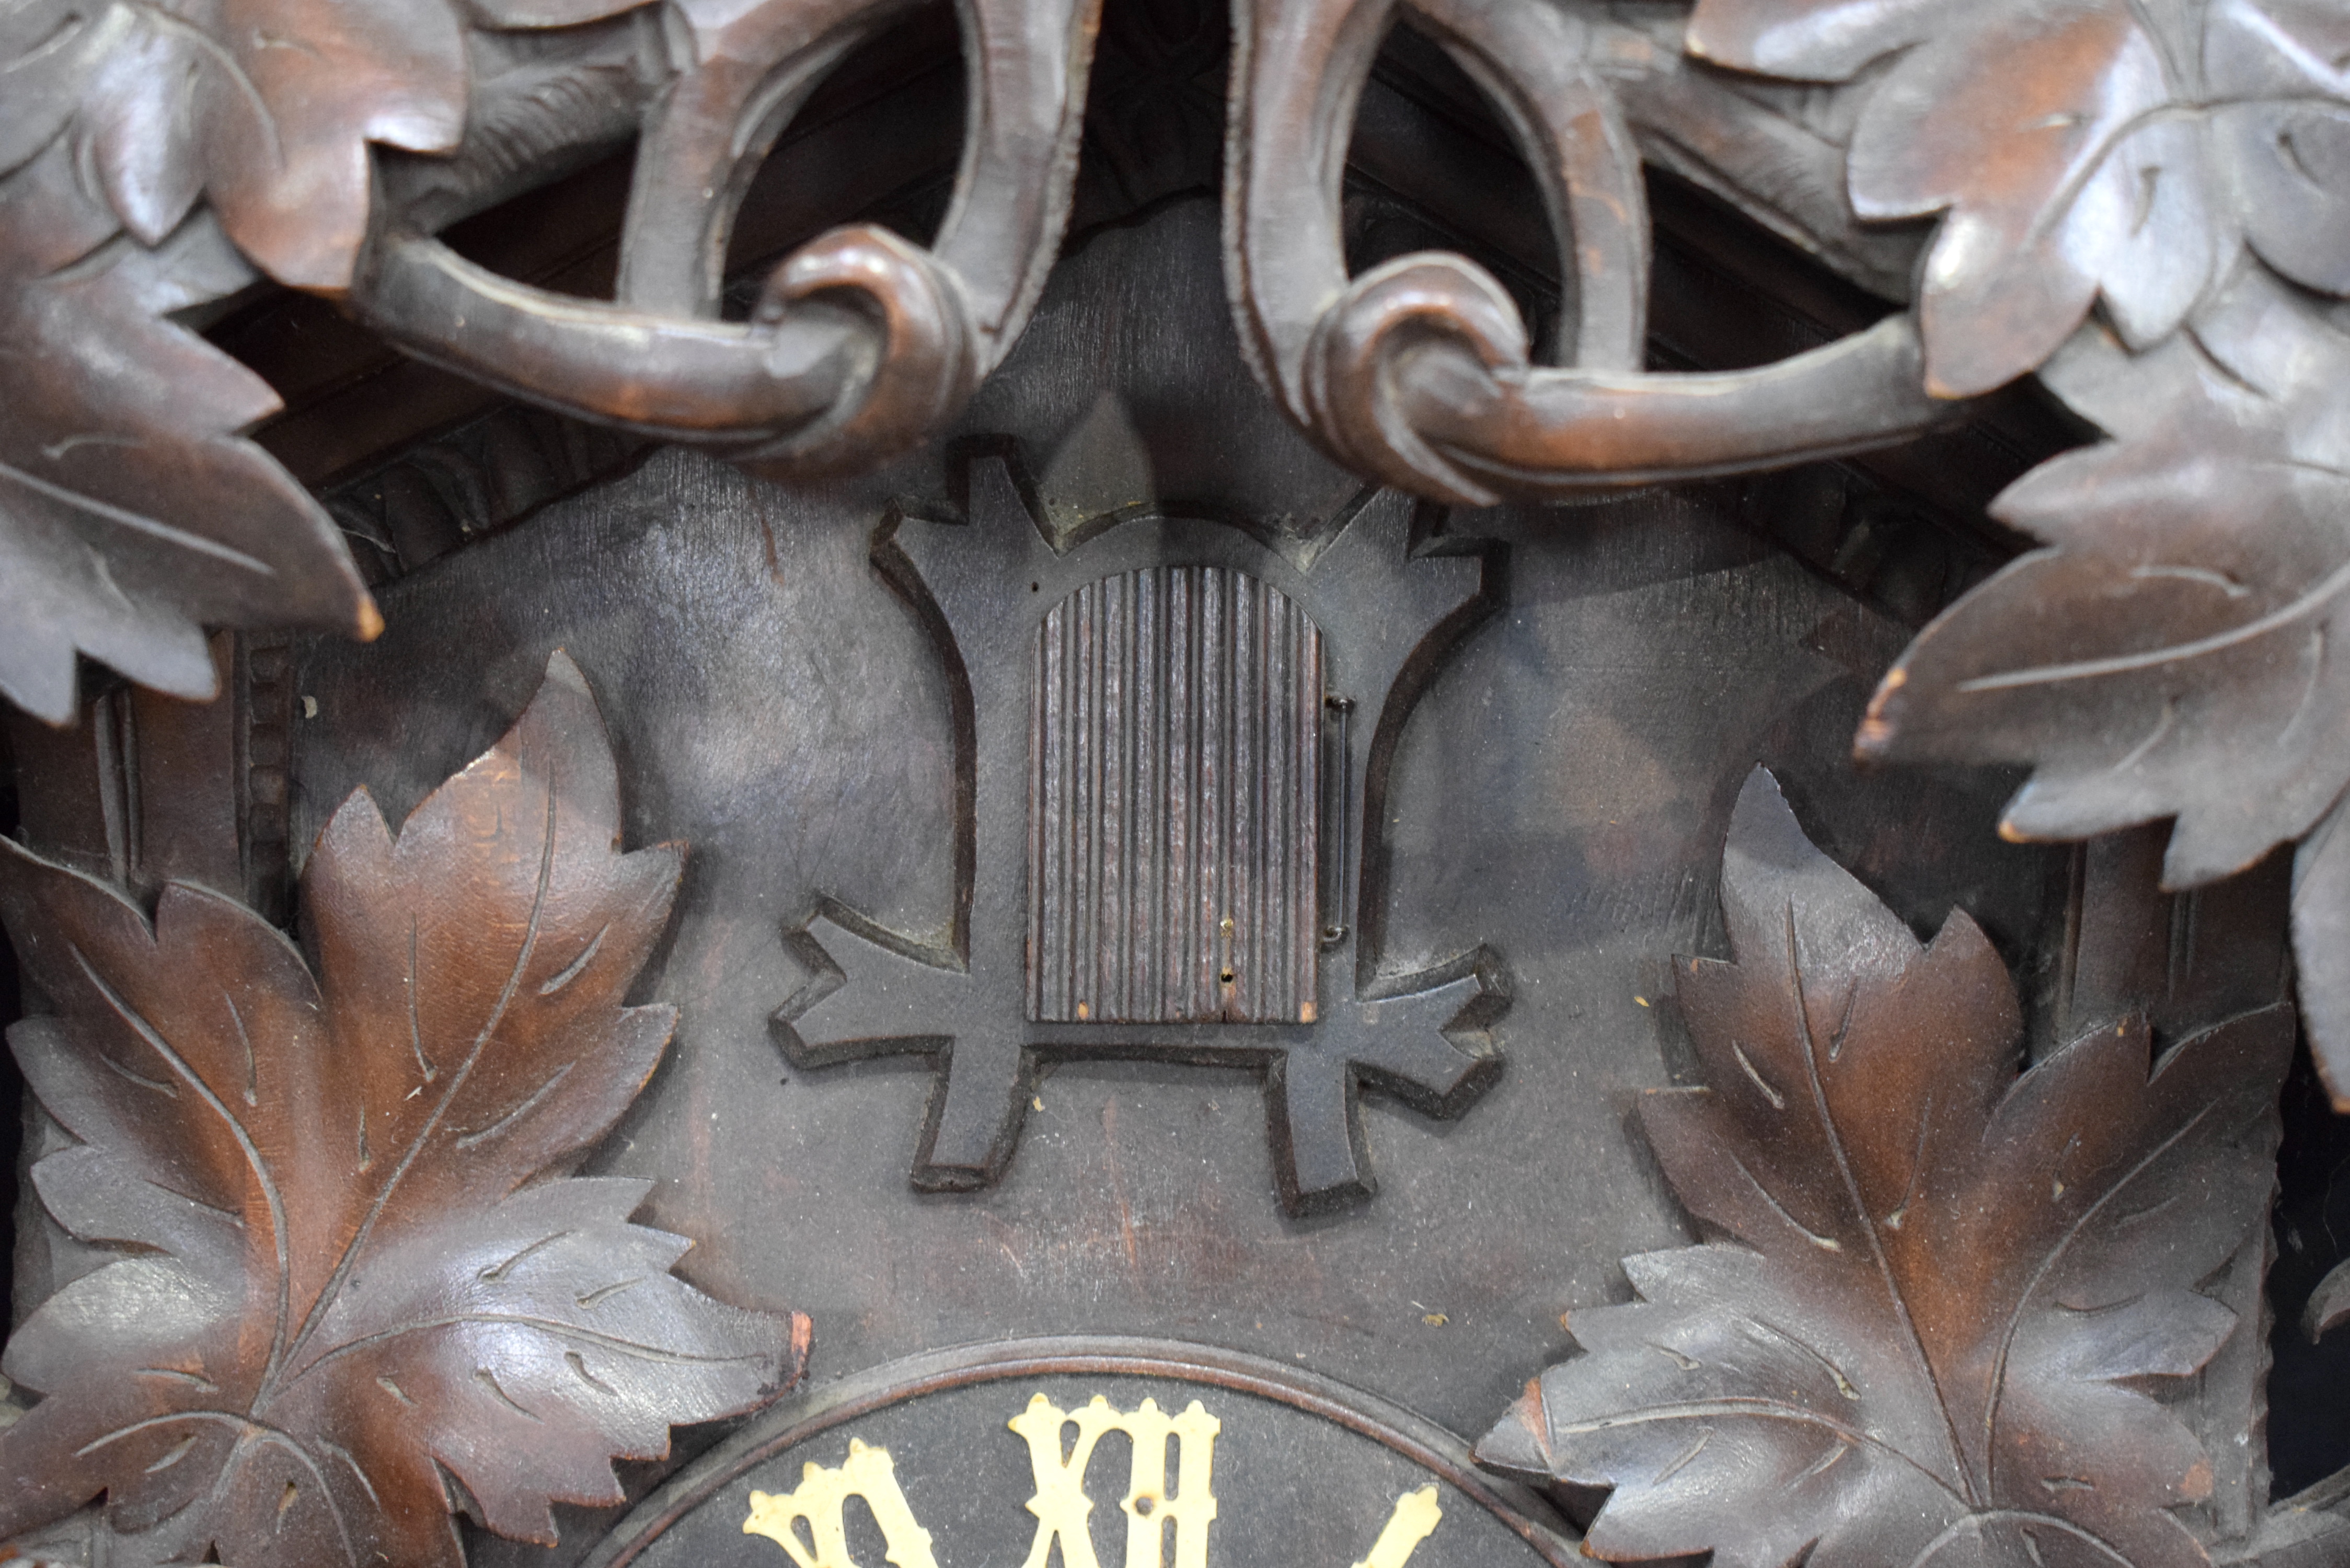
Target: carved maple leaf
[132,514]
[2176,651]
[2079,149]
[1938,1295]
[2170,654]
[275,102]
[359,1264]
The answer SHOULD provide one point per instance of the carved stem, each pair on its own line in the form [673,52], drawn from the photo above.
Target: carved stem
[1534,62]
[713,129]
[681,379]
[1422,379]
[1027,62]
[809,387]
[1420,371]
[1569,432]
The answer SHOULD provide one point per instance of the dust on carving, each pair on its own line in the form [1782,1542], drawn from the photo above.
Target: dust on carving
[357,1264]
[1940,1301]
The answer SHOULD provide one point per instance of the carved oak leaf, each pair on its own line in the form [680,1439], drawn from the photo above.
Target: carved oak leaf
[130,511]
[2079,149]
[2177,652]
[359,1264]
[1937,1296]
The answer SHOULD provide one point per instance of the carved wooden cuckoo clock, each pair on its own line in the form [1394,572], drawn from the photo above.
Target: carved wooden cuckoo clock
[1422,783]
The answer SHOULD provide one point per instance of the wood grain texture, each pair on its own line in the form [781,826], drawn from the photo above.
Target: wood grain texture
[356,1258]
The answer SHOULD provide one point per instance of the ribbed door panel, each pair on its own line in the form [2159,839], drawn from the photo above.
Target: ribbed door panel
[1173,802]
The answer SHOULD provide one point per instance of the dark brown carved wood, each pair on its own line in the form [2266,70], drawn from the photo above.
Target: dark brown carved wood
[1232,894]
[2168,656]
[860,343]
[1942,1299]
[307,300]
[1195,694]
[357,1261]
[1420,370]
[130,514]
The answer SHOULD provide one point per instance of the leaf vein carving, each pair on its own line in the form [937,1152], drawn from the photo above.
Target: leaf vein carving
[270,1196]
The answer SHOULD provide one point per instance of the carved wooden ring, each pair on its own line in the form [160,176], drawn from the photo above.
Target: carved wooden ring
[1420,370]
[862,343]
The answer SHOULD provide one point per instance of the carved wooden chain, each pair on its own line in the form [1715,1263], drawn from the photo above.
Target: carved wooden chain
[2147,204]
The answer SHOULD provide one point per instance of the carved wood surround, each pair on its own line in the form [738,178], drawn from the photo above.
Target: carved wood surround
[773,753]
